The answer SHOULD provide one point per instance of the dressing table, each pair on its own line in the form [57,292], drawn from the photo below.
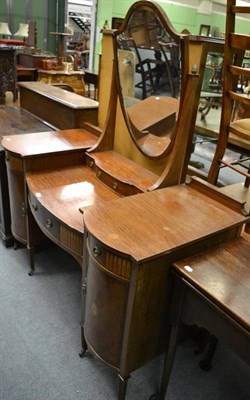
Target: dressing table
[129,247]
[119,204]
[39,152]
[13,121]
[115,165]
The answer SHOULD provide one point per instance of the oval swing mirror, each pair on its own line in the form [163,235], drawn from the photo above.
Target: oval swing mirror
[148,60]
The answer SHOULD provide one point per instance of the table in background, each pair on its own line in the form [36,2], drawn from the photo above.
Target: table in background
[91,77]
[33,60]
[75,79]
[211,290]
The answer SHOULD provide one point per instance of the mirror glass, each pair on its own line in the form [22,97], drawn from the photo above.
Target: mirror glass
[207,125]
[149,70]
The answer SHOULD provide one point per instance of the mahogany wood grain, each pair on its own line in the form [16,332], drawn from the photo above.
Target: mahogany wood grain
[40,152]
[62,109]
[129,246]
[64,97]
[153,113]
[176,216]
[64,191]
[223,274]
[48,142]
[123,169]
[211,290]
[13,121]
[240,192]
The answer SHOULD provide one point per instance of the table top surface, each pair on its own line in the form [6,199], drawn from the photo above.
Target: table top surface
[148,112]
[16,121]
[60,72]
[69,99]
[177,216]
[223,275]
[48,142]
[63,192]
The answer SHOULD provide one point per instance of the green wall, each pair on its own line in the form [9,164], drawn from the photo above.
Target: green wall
[181,17]
[43,12]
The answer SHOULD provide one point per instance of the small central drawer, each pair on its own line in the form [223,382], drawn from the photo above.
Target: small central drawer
[43,217]
[120,186]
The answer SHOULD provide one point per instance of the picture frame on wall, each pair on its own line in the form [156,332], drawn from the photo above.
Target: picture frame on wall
[204,30]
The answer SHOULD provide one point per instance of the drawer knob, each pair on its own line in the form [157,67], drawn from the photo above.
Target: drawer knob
[49,223]
[98,174]
[114,186]
[91,164]
[34,206]
[96,251]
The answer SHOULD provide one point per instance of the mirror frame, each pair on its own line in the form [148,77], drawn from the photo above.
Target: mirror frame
[160,13]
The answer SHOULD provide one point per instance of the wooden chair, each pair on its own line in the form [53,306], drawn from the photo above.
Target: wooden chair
[235,46]
[209,96]
[171,56]
[144,67]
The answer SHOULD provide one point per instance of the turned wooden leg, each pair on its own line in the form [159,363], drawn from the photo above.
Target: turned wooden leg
[31,259]
[171,341]
[123,382]
[168,365]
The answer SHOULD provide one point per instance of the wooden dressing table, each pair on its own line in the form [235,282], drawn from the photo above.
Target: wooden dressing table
[40,152]
[129,246]
[132,232]
[13,121]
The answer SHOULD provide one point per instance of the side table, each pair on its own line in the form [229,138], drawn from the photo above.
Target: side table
[73,78]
